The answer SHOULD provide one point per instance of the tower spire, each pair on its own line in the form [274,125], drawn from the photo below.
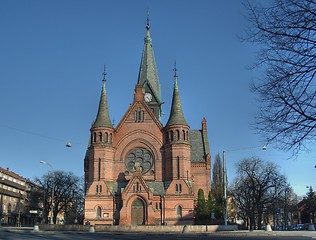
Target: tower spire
[148,75]
[103,117]
[176,114]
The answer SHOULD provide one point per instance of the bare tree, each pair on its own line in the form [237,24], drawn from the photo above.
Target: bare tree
[286,34]
[68,192]
[256,184]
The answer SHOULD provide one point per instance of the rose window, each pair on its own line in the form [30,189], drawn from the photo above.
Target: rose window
[139,157]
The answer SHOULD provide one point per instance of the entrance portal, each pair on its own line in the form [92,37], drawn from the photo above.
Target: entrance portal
[138,212]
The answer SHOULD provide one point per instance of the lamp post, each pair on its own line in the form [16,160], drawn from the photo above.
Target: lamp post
[1,202]
[53,180]
[225,179]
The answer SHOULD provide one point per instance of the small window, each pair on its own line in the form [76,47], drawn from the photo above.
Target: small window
[106,137]
[180,188]
[183,135]
[177,188]
[178,135]
[100,189]
[99,212]
[171,135]
[100,137]
[97,189]
[94,137]
[179,212]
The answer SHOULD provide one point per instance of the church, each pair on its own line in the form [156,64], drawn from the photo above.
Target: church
[142,172]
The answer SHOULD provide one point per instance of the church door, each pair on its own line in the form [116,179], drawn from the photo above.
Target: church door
[138,212]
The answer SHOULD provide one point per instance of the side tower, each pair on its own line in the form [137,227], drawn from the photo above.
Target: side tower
[99,165]
[179,195]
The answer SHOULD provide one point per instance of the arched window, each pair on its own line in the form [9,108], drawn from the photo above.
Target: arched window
[94,137]
[187,135]
[110,138]
[179,212]
[99,212]
[177,188]
[106,137]
[100,188]
[180,188]
[97,189]
[183,135]
[100,137]
[178,135]
[171,135]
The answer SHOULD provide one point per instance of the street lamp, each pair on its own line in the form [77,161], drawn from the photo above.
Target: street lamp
[225,179]
[53,180]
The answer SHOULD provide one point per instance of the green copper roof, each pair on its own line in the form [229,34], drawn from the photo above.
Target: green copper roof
[103,117]
[148,70]
[176,114]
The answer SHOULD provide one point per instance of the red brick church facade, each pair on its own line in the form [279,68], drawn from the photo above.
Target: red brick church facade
[142,172]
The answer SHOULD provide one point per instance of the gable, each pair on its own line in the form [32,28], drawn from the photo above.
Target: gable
[138,115]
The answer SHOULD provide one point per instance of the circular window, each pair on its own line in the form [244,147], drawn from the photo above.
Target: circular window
[139,157]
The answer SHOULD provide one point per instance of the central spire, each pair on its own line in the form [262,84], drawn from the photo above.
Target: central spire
[148,75]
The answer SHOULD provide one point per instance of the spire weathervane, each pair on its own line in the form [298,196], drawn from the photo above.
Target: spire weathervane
[148,21]
[104,74]
[175,70]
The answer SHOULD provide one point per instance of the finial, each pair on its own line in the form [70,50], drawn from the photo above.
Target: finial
[104,74]
[175,70]
[148,21]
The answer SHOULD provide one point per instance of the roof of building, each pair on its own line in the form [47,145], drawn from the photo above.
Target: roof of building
[12,174]
[176,113]
[103,116]
[148,71]
[198,147]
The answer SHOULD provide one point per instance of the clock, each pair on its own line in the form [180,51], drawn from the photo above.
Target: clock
[148,97]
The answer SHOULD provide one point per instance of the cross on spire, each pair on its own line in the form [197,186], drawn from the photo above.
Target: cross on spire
[175,70]
[104,74]
[148,21]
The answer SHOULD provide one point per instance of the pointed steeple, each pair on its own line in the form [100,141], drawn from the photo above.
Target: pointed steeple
[148,75]
[103,117]
[176,115]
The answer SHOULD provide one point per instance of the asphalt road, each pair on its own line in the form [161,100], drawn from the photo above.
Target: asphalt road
[17,235]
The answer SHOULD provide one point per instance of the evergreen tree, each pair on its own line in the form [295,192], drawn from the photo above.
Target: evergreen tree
[201,208]
[217,186]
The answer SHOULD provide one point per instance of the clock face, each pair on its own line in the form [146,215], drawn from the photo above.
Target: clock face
[148,97]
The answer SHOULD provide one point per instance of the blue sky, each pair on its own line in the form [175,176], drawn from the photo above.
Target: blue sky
[52,55]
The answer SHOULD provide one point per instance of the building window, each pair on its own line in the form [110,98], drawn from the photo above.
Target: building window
[178,167]
[180,188]
[97,189]
[139,115]
[171,135]
[94,137]
[100,188]
[183,135]
[106,137]
[99,212]
[179,212]
[177,188]
[99,169]
[100,136]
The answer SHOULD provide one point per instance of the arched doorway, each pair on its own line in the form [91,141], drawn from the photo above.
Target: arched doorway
[138,212]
